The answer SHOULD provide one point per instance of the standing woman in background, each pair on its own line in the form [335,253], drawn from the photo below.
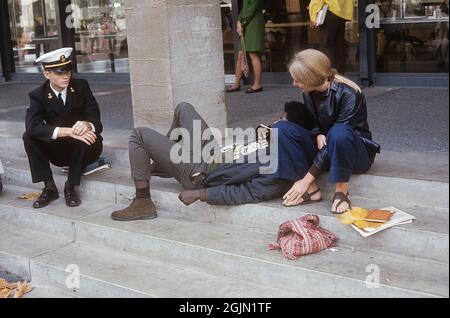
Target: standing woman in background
[251,26]
[332,31]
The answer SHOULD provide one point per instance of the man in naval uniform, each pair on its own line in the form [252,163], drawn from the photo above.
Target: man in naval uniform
[62,127]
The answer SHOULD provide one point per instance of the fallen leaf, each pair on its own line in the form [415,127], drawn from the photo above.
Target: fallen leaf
[4,284]
[30,196]
[4,293]
[364,224]
[22,289]
[353,215]
[359,213]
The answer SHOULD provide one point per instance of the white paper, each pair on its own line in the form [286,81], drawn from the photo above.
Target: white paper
[399,218]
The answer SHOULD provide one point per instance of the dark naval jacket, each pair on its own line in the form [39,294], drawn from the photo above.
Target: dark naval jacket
[46,111]
[340,105]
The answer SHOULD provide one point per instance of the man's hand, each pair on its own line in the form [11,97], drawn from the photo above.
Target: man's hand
[89,138]
[81,128]
[189,197]
[321,141]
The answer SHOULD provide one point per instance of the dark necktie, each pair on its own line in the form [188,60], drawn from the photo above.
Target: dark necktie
[60,98]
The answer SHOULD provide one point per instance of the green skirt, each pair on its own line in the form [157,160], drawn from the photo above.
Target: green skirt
[254,35]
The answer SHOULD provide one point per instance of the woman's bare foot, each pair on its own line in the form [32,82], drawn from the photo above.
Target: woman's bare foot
[341,203]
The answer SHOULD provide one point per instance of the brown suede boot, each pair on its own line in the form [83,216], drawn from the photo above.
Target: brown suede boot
[139,209]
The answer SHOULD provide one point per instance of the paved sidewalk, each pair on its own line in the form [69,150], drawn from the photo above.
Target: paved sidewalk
[401,119]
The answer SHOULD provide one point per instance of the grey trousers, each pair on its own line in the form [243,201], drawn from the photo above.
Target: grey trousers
[147,145]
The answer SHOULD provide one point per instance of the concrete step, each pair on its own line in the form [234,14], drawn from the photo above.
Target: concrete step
[49,292]
[105,273]
[428,237]
[394,176]
[411,192]
[228,251]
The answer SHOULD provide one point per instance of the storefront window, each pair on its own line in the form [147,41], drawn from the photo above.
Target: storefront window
[100,36]
[33,30]
[287,32]
[413,36]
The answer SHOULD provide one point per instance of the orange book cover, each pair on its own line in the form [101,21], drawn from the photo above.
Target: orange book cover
[380,216]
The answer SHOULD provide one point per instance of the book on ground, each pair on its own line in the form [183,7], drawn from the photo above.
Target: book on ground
[379,216]
[100,165]
[398,218]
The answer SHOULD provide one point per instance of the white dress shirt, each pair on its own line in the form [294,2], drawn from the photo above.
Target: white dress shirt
[64,98]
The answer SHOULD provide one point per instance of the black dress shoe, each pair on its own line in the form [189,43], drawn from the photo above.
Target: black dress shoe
[47,196]
[72,199]
[253,91]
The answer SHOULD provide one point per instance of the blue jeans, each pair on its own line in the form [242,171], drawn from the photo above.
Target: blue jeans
[347,153]
[297,150]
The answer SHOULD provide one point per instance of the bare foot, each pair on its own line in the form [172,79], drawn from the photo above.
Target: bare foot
[341,203]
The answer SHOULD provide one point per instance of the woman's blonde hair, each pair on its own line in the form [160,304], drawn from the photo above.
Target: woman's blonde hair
[312,68]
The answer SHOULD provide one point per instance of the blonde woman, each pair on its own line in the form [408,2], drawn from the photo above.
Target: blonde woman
[342,136]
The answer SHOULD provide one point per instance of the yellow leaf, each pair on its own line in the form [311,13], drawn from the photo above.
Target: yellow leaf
[346,218]
[22,289]
[359,213]
[4,284]
[364,224]
[30,196]
[353,215]
[4,293]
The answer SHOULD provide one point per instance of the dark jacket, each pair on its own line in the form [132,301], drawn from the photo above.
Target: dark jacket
[46,112]
[340,105]
[243,183]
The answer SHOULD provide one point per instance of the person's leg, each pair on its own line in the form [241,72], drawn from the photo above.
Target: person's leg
[257,69]
[38,158]
[77,155]
[340,54]
[296,153]
[80,155]
[237,82]
[328,36]
[186,117]
[348,155]
[145,146]
[38,153]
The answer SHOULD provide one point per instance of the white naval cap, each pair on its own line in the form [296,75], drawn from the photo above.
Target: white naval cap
[57,60]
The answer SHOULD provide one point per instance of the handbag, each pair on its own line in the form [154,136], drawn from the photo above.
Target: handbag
[244,62]
[302,236]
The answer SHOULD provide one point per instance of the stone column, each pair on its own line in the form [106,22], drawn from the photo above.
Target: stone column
[176,55]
